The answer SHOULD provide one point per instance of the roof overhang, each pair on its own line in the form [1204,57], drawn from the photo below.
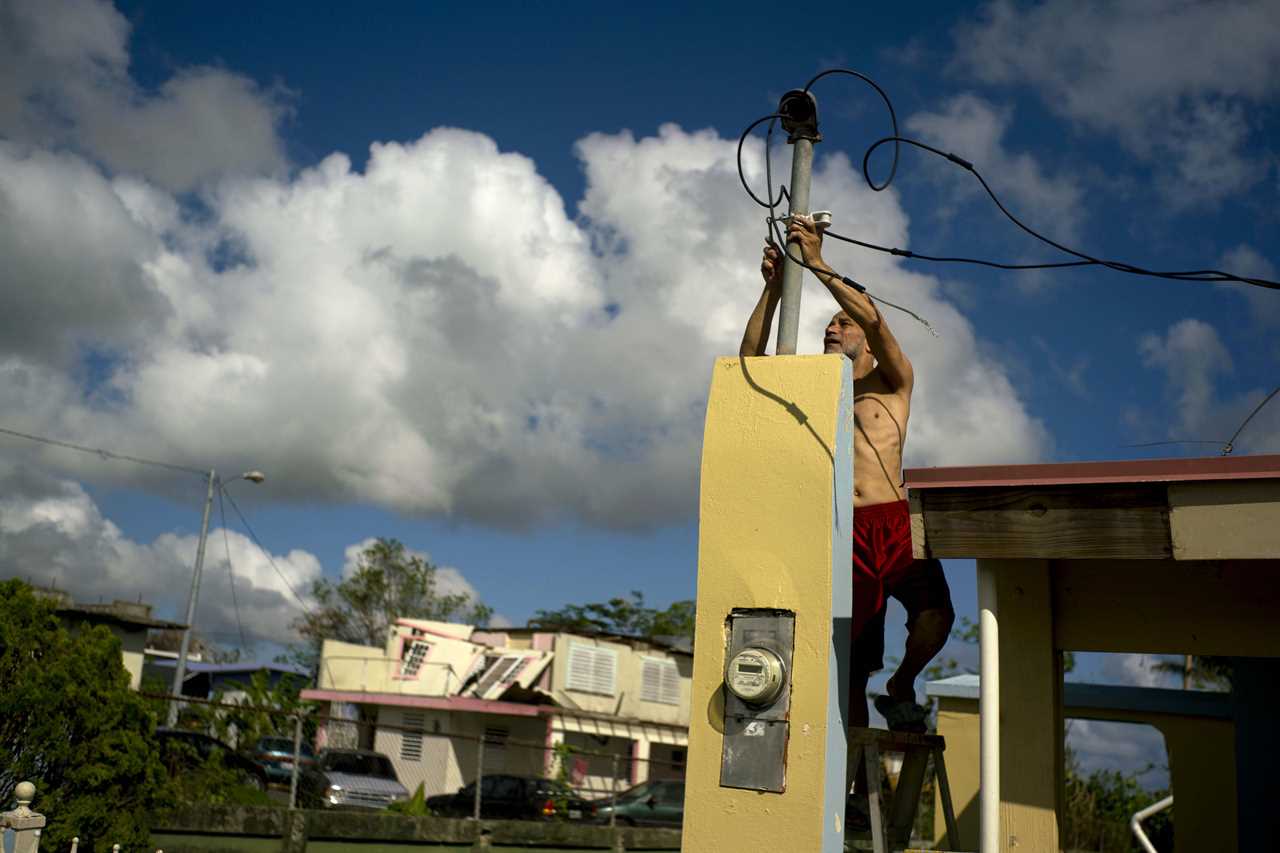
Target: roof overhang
[1151,509]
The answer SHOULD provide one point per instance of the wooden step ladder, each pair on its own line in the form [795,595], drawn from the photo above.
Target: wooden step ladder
[891,827]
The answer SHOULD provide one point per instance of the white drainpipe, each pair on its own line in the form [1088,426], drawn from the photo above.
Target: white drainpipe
[988,712]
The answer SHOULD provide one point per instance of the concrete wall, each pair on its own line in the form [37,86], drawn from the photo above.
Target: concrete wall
[775,519]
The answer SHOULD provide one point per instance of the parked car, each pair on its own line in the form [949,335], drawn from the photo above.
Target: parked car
[275,756]
[514,798]
[182,749]
[659,802]
[350,778]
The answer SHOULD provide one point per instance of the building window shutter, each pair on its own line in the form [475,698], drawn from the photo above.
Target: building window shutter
[411,738]
[659,681]
[414,654]
[592,670]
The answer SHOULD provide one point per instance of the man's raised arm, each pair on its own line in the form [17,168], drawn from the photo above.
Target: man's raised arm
[892,362]
[756,336]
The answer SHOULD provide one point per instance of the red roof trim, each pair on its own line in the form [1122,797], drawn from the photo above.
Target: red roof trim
[443,703]
[1124,471]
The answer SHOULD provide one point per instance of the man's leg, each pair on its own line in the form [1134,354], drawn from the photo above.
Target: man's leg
[927,599]
[925,638]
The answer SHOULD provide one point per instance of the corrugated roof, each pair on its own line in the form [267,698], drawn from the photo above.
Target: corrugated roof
[1120,471]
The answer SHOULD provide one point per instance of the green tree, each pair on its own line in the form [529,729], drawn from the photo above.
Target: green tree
[1207,672]
[389,583]
[625,616]
[266,710]
[70,724]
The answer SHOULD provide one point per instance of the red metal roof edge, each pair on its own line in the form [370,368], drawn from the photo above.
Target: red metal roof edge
[1120,471]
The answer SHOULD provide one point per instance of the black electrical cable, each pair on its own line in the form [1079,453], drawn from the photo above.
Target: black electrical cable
[771,204]
[1120,266]
[231,570]
[897,140]
[893,119]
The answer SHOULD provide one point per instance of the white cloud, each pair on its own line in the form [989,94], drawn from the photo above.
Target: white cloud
[362,340]
[65,81]
[974,129]
[1193,358]
[1125,747]
[479,359]
[1173,80]
[1264,304]
[52,533]
[449,580]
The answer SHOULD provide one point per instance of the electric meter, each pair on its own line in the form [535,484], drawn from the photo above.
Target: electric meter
[755,676]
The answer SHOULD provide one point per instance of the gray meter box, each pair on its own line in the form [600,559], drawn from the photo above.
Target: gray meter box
[754,754]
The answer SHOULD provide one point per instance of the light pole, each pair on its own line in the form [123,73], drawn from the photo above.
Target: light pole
[180,671]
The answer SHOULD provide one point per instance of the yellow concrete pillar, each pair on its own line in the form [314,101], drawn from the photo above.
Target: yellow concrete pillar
[775,532]
[1031,722]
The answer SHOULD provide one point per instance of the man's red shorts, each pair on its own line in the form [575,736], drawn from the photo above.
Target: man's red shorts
[883,567]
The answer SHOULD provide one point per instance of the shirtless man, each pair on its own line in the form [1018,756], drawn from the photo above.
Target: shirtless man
[882,561]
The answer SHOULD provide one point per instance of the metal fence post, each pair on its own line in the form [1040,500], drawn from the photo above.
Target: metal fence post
[613,795]
[25,823]
[479,774]
[297,758]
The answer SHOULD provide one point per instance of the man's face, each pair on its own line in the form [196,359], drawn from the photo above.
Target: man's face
[844,336]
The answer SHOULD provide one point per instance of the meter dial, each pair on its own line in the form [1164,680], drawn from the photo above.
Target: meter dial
[755,676]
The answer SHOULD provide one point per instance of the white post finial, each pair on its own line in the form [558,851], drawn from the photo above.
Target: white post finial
[25,823]
[75,844]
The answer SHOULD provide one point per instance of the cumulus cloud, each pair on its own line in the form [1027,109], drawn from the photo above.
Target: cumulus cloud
[1245,260]
[975,128]
[52,533]
[1193,359]
[1120,747]
[493,358]
[1173,80]
[65,82]
[449,580]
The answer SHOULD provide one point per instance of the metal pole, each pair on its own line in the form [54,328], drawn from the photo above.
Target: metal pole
[793,273]
[613,795]
[988,712]
[297,757]
[479,775]
[180,671]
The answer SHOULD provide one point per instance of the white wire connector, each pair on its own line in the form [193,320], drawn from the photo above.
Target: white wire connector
[821,219]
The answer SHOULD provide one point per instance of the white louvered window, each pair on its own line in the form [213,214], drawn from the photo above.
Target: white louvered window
[659,681]
[592,670]
[414,654]
[411,738]
[501,671]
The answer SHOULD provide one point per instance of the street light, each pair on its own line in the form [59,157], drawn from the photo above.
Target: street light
[180,672]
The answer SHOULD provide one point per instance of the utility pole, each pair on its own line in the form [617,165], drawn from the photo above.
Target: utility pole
[180,671]
[799,110]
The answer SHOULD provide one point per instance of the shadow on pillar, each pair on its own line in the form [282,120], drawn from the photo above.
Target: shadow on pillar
[1255,697]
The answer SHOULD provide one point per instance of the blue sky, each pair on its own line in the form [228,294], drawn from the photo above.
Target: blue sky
[456,275]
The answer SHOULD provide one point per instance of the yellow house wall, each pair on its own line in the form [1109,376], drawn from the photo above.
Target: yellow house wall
[347,666]
[769,528]
[1202,773]
[625,701]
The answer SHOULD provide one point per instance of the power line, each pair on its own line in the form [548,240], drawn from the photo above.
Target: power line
[264,550]
[103,454]
[1227,446]
[1232,441]
[231,571]
[1084,260]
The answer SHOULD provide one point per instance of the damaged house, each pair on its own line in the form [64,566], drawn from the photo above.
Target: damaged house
[437,689]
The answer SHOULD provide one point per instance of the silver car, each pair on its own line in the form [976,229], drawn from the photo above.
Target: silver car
[352,778]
